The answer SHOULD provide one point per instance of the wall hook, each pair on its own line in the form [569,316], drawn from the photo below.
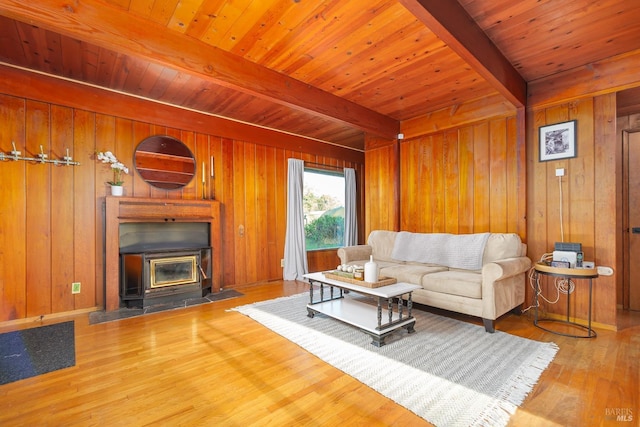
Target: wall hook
[41,157]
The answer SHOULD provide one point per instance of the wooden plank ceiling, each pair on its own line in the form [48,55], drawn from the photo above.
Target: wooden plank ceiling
[329,70]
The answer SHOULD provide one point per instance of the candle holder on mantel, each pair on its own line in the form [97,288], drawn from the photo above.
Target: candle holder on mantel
[211,196]
[204,182]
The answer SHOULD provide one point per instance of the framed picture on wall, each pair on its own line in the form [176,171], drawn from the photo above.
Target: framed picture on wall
[558,141]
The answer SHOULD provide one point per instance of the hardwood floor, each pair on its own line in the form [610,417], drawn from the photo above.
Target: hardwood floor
[207,366]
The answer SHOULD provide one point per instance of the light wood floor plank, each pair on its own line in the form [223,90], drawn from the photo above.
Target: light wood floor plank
[206,365]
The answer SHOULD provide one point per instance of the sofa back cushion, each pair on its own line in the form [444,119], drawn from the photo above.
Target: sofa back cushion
[501,246]
[464,251]
[382,242]
[498,246]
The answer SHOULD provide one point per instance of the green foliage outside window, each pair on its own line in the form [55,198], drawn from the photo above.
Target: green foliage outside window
[324,214]
[325,232]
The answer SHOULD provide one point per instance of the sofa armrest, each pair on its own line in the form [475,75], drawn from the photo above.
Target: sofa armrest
[503,286]
[501,269]
[349,254]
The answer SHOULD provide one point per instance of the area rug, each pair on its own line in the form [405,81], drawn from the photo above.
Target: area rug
[448,372]
[125,313]
[36,351]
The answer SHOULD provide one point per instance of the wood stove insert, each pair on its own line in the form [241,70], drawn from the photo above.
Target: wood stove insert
[185,220]
[159,277]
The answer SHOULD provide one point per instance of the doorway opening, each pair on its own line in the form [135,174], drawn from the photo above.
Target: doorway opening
[631,220]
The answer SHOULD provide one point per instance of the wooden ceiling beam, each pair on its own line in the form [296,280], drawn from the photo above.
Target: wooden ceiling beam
[452,24]
[97,23]
[25,84]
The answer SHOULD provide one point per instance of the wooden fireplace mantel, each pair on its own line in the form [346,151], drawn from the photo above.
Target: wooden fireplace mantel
[119,210]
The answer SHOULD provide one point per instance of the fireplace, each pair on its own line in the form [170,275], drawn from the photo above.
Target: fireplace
[151,277]
[163,262]
[139,230]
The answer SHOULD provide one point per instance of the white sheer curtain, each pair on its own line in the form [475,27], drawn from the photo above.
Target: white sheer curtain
[295,251]
[350,208]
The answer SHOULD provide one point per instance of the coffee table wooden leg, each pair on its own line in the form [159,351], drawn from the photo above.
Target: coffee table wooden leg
[378,340]
[409,327]
[409,304]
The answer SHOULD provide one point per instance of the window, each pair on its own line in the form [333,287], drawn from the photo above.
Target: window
[323,202]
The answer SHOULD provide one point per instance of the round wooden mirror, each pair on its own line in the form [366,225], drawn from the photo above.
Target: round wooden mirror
[164,162]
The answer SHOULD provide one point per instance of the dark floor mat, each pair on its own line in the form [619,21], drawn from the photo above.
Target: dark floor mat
[36,351]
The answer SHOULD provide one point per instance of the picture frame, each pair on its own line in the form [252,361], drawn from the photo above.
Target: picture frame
[558,141]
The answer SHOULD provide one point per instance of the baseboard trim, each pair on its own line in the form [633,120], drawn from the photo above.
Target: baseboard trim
[45,317]
[581,321]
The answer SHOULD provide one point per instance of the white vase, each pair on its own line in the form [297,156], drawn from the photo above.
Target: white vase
[371,271]
[117,190]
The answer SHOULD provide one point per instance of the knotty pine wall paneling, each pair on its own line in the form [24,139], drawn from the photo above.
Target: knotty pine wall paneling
[381,179]
[498,144]
[224,187]
[137,187]
[13,218]
[52,217]
[584,209]
[62,213]
[239,213]
[38,209]
[463,180]
[607,214]
[481,197]
[466,185]
[88,264]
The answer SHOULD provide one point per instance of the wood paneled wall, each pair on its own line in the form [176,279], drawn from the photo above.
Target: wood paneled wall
[382,186]
[52,217]
[463,180]
[589,200]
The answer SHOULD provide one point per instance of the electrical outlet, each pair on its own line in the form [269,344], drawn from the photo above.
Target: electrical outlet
[282,262]
[75,288]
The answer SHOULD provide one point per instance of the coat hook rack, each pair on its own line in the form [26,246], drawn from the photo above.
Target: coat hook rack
[41,157]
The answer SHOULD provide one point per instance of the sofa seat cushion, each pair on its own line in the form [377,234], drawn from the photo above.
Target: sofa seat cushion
[454,282]
[410,273]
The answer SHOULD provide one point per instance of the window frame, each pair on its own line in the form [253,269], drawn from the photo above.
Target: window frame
[336,173]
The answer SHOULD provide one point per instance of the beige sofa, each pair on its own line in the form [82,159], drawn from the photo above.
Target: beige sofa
[479,274]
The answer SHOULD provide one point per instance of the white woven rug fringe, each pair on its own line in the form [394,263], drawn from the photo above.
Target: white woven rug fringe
[445,394]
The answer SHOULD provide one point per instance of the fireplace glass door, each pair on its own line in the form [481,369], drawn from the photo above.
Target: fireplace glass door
[173,271]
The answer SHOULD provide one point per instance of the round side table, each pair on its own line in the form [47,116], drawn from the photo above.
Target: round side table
[541,268]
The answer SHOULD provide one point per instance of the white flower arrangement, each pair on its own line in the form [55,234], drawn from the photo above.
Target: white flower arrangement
[117,166]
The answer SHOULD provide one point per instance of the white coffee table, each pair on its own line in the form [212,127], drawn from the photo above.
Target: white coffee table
[376,321]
